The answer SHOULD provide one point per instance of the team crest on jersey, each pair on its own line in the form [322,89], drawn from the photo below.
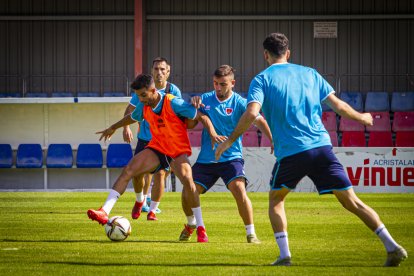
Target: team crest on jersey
[207,107]
[229,111]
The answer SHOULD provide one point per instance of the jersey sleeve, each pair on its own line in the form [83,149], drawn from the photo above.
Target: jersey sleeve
[256,93]
[183,109]
[175,91]
[138,113]
[134,100]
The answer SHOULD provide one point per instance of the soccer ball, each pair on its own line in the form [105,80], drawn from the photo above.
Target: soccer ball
[118,228]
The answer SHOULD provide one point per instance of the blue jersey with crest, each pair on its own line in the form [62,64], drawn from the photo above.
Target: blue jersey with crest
[224,115]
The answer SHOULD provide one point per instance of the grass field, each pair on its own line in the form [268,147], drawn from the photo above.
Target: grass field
[49,233]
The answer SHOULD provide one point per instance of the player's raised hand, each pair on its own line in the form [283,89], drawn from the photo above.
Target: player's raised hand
[106,134]
[217,139]
[222,148]
[196,102]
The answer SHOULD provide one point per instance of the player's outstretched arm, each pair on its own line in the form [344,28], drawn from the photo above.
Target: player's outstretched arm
[107,133]
[261,124]
[208,125]
[344,109]
[245,121]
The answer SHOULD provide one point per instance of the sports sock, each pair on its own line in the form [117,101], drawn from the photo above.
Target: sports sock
[191,220]
[139,196]
[145,200]
[153,207]
[387,240]
[282,242]
[250,229]
[110,201]
[198,216]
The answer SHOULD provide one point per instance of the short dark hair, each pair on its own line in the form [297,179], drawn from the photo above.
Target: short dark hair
[224,70]
[276,44]
[159,59]
[141,81]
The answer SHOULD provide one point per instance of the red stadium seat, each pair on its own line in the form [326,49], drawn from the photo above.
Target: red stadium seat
[381,122]
[195,137]
[329,120]
[353,139]
[346,124]
[265,141]
[403,121]
[380,139]
[250,139]
[404,139]
[199,126]
[334,138]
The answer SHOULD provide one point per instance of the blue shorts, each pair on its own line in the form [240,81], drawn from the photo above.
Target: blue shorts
[206,175]
[319,164]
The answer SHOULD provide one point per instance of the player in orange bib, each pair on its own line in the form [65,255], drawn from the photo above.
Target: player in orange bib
[169,146]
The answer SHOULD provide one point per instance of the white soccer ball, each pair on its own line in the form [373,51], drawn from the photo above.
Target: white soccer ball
[118,228]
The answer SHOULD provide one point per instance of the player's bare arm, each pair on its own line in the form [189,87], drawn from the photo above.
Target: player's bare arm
[127,133]
[344,109]
[107,133]
[262,125]
[205,120]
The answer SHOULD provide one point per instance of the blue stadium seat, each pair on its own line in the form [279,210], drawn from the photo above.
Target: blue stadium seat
[377,101]
[29,156]
[354,99]
[10,95]
[36,95]
[6,156]
[59,156]
[89,94]
[118,155]
[62,94]
[326,108]
[402,101]
[89,156]
[114,94]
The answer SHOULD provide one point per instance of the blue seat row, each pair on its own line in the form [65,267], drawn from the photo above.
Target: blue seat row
[60,156]
[59,94]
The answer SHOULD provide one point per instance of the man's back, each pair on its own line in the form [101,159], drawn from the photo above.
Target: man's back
[290,95]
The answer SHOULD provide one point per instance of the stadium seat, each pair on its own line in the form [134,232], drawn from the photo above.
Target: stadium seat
[381,122]
[403,121]
[29,156]
[118,155]
[89,156]
[402,101]
[36,95]
[62,94]
[346,124]
[329,120]
[10,95]
[199,126]
[6,156]
[195,137]
[380,139]
[326,108]
[353,139]
[377,101]
[404,139]
[89,94]
[59,156]
[250,139]
[354,99]
[334,138]
[265,142]
[114,94]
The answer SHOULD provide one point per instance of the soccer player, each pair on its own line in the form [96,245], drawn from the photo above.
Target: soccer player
[224,108]
[290,96]
[160,72]
[169,146]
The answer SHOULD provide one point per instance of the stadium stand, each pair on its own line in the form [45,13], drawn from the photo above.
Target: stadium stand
[113,94]
[29,156]
[265,142]
[346,124]
[36,95]
[326,107]
[334,138]
[250,139]
[89,94]
[354,99]
[199,126]
[89,156]
[59,156]
[10,95]
[377,101]
[380,139]
[329,120]
[403,121]
[353,139]
[6,156]
[382,122]
[195,137]
[404,139]
[118,155]
[62,94]
[402,101]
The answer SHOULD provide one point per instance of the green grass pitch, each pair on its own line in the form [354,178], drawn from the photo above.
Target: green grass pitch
[49,233]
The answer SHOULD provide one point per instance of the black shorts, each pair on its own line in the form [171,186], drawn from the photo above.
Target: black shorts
[141,144]
[165,160]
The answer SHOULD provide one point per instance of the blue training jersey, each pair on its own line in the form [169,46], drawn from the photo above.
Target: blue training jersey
[224,117]
[291,96]
[144,131]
